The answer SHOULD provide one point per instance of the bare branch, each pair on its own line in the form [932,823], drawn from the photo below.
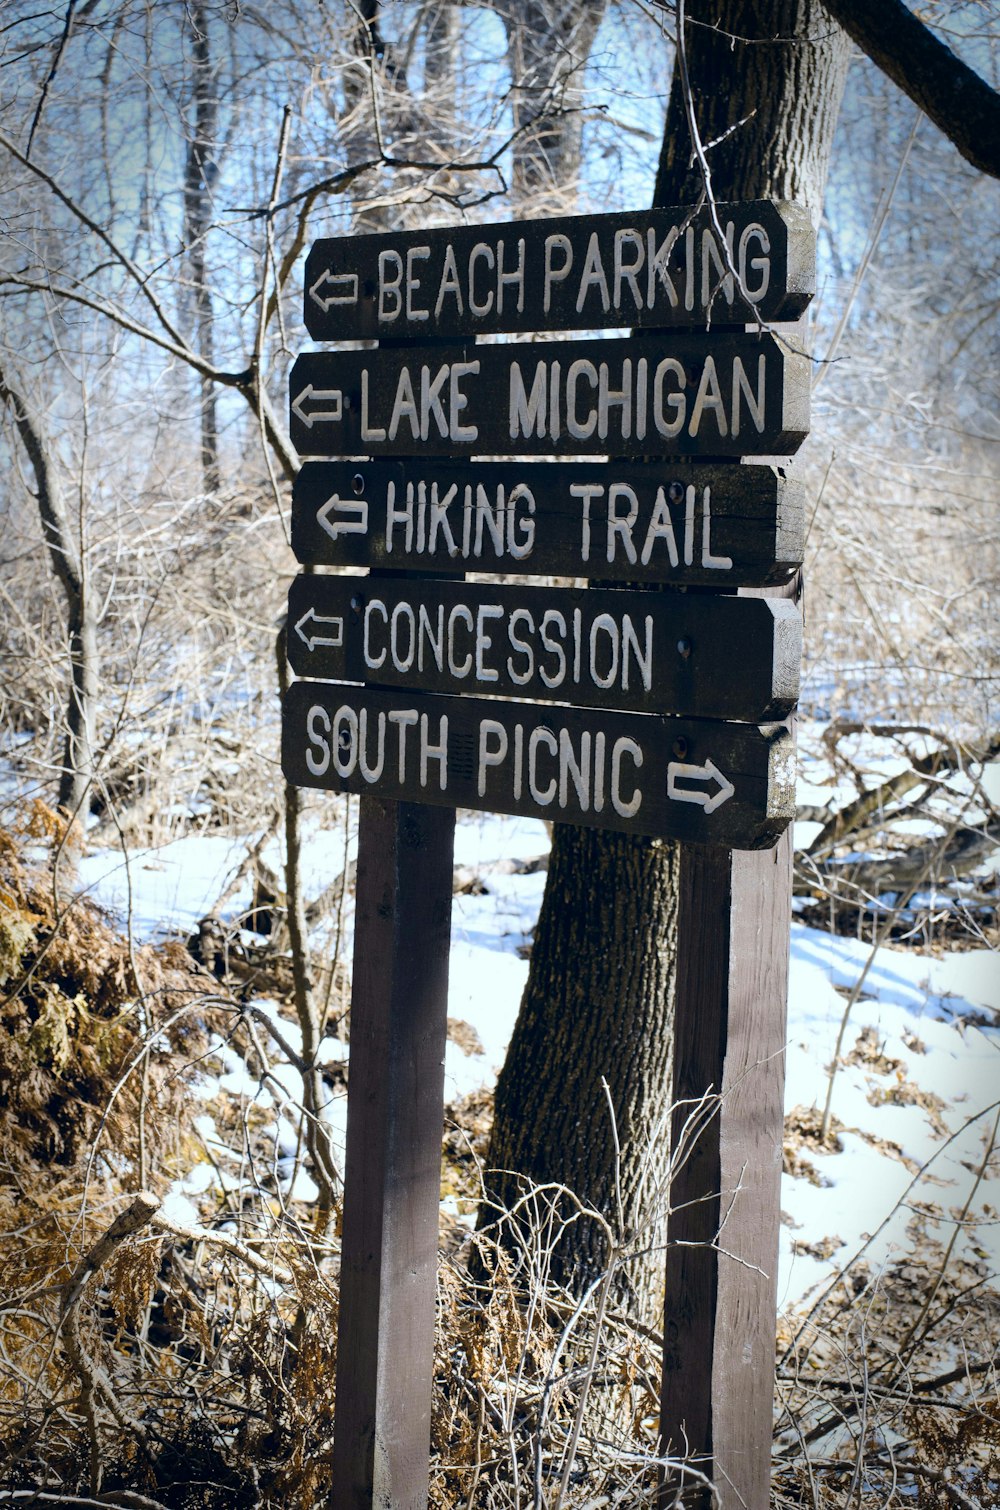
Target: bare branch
[956,99]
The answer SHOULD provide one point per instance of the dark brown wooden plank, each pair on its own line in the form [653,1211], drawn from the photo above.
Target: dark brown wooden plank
[701,655]
[722,1231]
[585,272]
[385,1336]
[684,524]
[711,395]
[693,779]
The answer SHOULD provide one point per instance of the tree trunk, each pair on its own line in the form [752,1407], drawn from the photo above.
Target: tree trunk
[81,627]
[200,172]
[599,999]
[548,44]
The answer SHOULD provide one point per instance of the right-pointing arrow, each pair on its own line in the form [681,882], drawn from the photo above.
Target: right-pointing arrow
[302,405]
[699,773]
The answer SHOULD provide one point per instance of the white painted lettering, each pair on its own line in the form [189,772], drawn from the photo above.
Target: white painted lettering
[708,396]
[554,273]
[459,613]
[676,401]
[414,311]
[345,741]
[715,563]
[521,547]
[438,752]
[741,388]
[480,253]
[608,398]
[580,429]
[620,526]
[492,749]
[524,647]
[624,747]
[660,528]
[403,718]
[516,277]
[373,606]
[542,795]
[484,642]
[552,620]
[573,769]
[318,729]
[368,431]
[754,289]
[390,298]
[527,411]
[585,491]
[593,276]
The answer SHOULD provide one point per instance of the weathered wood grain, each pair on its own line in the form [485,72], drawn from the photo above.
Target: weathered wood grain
[678,523]
[392,1188]
[695,779]
[585,272]
[643,652]
[663,394]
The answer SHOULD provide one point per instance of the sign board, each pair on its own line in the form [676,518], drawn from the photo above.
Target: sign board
[646,652]
[584,272]
[662,395]
[690,779]
[681,524]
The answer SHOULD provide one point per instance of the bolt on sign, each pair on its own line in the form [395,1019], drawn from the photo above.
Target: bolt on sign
[539,699]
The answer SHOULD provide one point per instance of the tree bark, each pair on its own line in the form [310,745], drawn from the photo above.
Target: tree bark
[200,172]
[548,44]
[81,627]
[599,999]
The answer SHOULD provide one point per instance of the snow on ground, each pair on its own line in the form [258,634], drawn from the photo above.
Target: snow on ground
[924,1037]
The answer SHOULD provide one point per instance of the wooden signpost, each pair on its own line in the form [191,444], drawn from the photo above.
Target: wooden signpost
[647,712]
[638,651]
[689,524]
[652,268]
[672,395]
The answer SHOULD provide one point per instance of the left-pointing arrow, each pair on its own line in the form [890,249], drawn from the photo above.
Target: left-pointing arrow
[302,405]
[352,520]
[343,289]
[332,633]
[677,772]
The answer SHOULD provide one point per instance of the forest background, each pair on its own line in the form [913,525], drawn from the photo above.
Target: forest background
[164,169]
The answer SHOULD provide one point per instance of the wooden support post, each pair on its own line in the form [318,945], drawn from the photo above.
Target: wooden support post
[719,1324]
[393,1172]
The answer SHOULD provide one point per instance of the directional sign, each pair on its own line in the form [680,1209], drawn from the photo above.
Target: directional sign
[704,782]
[663,395]
[587,272]
[683,524]
[734,658]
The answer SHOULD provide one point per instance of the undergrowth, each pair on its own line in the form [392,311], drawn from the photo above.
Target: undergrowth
[154,1358]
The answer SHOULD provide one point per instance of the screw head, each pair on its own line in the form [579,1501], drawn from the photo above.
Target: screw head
[357,602]
[684,648]
[680,748]
[358,483]
[675,492]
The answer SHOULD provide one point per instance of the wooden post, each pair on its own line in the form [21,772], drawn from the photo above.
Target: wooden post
[721,1293]
[393,1174]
